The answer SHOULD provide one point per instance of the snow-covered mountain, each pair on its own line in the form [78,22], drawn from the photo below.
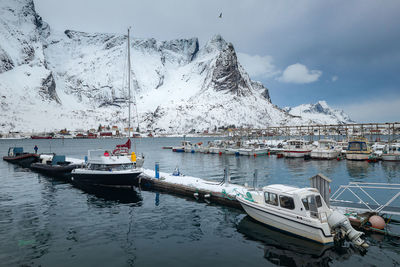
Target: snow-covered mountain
[52,80]
[320,113]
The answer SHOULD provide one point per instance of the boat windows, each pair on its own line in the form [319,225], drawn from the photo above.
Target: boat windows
[312,203]
[318,200]
[286,202]
[305,203]
[357,146]
[113,167]
[271,198]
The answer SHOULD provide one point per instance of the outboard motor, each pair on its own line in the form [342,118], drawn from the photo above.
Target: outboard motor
[338,221]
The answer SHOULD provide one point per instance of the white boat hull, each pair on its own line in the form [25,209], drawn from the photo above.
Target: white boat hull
[357,156]
[324,154]
[320,234]
[216,150]
[296,154]
[391,157]
[231,151]
[252,152]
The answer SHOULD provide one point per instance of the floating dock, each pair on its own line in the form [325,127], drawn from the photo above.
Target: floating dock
[223,193]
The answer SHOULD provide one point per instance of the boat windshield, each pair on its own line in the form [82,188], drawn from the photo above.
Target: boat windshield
[357,146]
[109,167]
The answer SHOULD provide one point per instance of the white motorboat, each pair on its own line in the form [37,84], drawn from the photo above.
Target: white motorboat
[253,151]
[296,149]
[391,152]
[378,148]
[217,147]
[232,150]
[298,211]
[327,149]
[104,168]
[182,147]
[358,149]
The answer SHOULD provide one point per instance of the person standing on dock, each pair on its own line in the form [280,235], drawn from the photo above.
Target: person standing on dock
[36,149]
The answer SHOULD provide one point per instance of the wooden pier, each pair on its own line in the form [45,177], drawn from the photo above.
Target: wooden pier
[147,182]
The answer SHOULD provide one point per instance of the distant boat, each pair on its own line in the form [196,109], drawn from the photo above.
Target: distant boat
[391,152]
[358,149]
[182,147]
[16,155]
[296,149]
[41,137]
[327,149]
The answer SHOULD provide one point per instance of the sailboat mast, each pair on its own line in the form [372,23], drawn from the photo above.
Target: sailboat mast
[129,86]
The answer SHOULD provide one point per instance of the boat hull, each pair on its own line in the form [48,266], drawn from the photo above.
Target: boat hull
[116,178]
[391,157]
[357,156]
[23,160]
[324,154]
[57,170]
[296,154]
[287,225]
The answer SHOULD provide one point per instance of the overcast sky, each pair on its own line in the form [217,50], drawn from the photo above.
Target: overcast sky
[344,52]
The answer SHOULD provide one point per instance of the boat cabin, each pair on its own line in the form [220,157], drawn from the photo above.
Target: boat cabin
[326,144]
[105,161]
[357,146]
[15,151]
[302,201]
[296,143]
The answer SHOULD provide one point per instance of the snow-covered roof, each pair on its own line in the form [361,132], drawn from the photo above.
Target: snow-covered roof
[280,188]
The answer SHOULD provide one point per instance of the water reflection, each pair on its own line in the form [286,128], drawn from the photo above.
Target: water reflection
[296,166]
[282,249]
[357,169]
[391,169]
[285,250]
[119,195]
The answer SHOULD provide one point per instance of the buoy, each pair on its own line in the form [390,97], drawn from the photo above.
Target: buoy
[377,222]
[255,155]
[220,153]
[338,159]
[207,195]
[269,153]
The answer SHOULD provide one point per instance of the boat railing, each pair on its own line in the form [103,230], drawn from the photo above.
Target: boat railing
[366,199]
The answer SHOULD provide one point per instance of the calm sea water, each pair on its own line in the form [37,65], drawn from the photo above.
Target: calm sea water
[48,222]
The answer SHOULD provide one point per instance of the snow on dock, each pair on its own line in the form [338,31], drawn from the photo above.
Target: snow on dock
[219,192]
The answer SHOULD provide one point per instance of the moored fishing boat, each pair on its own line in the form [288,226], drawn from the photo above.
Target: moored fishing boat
[358,149]
[104,168]
[296,149]
[182,147]
[253,151]
[391,152]
[298,211]
[16,155]
[54,165]
[41,137]
[327,149]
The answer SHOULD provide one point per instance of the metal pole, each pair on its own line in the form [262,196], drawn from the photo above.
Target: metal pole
[129,86]
[255,176]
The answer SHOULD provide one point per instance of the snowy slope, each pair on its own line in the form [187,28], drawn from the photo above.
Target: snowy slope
[320,113]
[51,80]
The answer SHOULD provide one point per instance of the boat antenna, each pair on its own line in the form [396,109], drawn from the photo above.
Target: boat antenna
[129,87]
